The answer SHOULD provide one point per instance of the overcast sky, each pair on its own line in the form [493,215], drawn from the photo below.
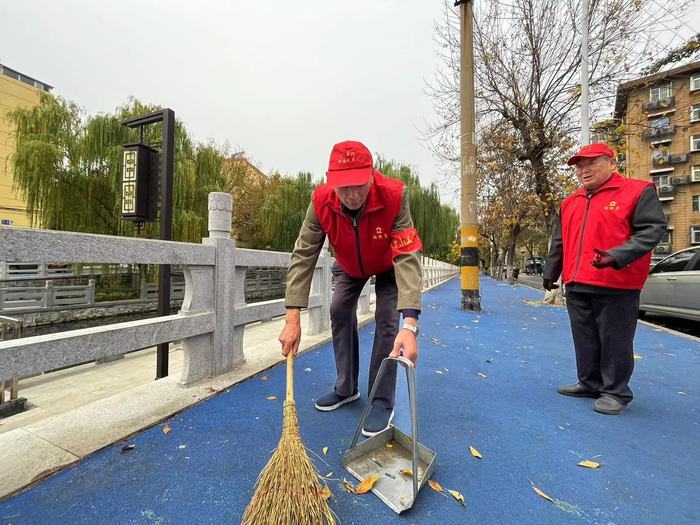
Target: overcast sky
[281,80]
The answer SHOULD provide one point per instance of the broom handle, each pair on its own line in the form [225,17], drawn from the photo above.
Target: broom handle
[290,376]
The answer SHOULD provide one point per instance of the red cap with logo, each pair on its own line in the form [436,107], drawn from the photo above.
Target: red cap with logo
[350,164]
[597,149]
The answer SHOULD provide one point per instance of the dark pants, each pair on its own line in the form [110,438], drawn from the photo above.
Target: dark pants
[345,339]
[603,327]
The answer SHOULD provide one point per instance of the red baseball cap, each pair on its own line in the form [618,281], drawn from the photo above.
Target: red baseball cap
[597,149]
[350,164]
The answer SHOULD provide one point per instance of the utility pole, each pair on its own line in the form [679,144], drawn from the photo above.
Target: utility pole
[585,130]
[469,230]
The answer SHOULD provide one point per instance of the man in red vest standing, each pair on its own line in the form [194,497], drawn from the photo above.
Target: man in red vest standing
[602,246]
[368,223]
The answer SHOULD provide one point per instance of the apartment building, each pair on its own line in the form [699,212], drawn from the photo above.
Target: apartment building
[17,90]
[656,132]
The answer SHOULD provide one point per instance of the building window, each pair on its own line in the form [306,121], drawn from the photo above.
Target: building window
[695,143]
[695,113]
[694,82]
[660,122]
[696,203]
[667,239]
[695,235]
[661,92]
[661,180]
[695,174]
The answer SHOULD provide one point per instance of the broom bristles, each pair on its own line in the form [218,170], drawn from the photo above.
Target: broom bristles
[288,491]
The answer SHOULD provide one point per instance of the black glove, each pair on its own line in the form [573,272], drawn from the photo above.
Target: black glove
[549,284]
[603,259]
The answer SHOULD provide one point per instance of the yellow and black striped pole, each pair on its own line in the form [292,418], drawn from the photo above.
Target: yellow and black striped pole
[469,231]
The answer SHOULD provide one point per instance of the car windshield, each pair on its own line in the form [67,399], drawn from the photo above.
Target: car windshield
[675,263]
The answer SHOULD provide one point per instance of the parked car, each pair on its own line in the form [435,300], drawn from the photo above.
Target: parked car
[673,286]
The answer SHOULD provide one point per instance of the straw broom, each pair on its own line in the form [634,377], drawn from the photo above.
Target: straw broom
[288,491]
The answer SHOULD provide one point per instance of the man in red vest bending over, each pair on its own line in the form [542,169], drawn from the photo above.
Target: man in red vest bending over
[368,223]
[602,245]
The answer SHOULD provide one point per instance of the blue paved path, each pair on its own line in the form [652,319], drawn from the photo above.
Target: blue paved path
[203,470]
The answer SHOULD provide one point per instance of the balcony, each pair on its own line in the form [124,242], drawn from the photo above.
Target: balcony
[661,131]
[660,104]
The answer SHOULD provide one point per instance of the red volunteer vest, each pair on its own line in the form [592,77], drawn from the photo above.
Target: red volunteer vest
[366,246]
[602,221]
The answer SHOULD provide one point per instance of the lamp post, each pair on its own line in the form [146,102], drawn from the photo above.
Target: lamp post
[167,117]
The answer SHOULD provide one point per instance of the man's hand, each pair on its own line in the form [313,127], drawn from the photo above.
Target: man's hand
[549,284]
[602,259]
[405,343]
[290,337]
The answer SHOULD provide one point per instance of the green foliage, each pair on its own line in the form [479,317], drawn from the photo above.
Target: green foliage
[437,223]
[68,168]
[283,212]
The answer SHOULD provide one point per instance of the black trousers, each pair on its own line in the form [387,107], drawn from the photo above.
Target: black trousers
[603,327]
[345,339]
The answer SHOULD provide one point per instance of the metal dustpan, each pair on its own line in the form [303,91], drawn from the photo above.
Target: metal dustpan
[373,457]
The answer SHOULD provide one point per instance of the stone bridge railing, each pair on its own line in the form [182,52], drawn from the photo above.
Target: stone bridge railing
[214,310]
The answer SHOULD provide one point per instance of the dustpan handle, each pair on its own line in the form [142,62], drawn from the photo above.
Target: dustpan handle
[411,382]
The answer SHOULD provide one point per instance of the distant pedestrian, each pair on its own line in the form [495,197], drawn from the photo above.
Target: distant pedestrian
[603,245]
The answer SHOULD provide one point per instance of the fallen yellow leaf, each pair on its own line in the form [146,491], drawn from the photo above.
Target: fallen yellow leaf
[325,450]
[166,429]
[211,390]
[348,486]
[540,493]
[367,485]
[482,375]
[589,464]
[407,472]
[439,372]
[271,398]
[329,474]
[456,495]
[326,492]
[389,444]
[637,356]
[436,486]
[475,452]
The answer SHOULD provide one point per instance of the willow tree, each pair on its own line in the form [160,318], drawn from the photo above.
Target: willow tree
[68,169]
[283,212]
[436,222]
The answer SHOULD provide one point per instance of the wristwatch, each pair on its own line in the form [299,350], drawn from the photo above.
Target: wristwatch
[411,327]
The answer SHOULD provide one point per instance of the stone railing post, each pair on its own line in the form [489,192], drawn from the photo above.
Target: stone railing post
[49,299]
[365,297]
[3,270]
[91,292]
[219,289]
[320,316]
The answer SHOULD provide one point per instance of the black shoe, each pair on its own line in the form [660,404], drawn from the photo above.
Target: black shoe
[333,400]
[608,405]
[378,419]
[577,390]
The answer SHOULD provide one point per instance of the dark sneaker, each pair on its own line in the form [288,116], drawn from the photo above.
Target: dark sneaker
[378,419]
[577,390]
[333,400]
[608,405]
